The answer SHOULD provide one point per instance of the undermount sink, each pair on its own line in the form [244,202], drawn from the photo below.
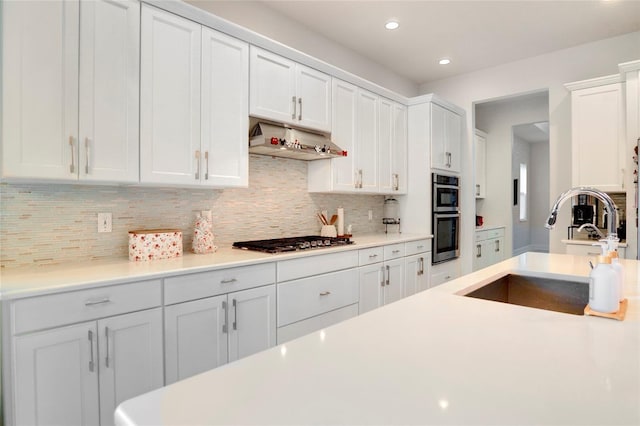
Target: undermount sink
[569,297]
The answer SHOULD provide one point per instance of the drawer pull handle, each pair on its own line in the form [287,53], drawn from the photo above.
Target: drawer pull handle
[225,326]
[228,281]
[388,273]
[91,363]
[97,302]
[420,247]
[395,252]
[106,358]
[325,293]
[373,256]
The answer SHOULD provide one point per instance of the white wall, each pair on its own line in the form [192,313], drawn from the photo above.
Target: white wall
[521,154]
[269,23]
[539,194]
[550,71]
[497,118]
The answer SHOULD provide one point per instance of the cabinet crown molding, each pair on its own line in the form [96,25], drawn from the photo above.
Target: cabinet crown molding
[594,82]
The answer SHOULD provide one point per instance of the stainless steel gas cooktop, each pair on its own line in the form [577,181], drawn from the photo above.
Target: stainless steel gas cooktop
[281,245]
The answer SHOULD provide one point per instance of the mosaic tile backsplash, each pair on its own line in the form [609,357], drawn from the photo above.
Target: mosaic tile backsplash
[42,224]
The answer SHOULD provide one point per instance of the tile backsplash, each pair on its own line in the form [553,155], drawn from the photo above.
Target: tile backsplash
[53,223]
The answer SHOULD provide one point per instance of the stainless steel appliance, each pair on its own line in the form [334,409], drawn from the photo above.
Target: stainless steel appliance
[282,245]
[446,218]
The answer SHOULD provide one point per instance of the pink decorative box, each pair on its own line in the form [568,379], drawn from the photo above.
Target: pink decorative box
[151,244]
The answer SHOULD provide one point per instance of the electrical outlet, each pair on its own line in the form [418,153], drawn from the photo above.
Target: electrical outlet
[104,222]
[370,214]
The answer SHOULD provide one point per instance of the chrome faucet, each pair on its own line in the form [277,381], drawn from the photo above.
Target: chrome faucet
[609,205]
[592,227]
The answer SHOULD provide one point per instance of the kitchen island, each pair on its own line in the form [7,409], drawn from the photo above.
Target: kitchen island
[433,358]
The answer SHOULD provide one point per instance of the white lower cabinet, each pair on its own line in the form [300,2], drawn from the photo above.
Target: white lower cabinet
[78,374]
[417,273]
[488,248]
[223,315]
[443,272]
[383,282]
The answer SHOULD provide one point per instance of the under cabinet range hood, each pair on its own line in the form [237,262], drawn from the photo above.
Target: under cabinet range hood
[280,141]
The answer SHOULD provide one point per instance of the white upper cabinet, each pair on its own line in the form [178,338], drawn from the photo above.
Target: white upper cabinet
[287,92]
[392,147]
[446,139]
[169,98]
[70,79]
[194,103]
[598,136]
[109,90]
[367,141]
[480,138]
[225,110]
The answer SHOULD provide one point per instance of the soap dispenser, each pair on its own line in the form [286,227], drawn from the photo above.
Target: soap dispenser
[603,287]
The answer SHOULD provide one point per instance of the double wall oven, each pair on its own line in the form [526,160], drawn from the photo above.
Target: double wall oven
[446,217]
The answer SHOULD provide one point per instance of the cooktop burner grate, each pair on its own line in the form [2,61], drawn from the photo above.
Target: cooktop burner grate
[282,245]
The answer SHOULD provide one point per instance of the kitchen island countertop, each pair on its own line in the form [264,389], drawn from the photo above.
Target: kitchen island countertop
[432,358]
[35,281]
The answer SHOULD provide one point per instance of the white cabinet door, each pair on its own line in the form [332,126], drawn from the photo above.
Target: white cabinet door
[385,146]
[399,160]
[417,273]
[446,138]
[252,321]
[367,141]
[371,287]
[394,284]
[313,89]
[481,164]
[345,110]
[597,121]
[40,89]
[195,337]
[225,108]
[130,358]
[109,90]
[169,98]
[272,86]
[56,376]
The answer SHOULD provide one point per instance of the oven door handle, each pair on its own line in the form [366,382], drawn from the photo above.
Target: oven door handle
[445,215]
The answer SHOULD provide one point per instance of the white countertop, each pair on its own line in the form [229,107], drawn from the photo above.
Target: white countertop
[432,358]
[34,281]
[586,242]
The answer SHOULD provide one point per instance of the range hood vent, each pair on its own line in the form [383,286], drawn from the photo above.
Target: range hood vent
[280,141]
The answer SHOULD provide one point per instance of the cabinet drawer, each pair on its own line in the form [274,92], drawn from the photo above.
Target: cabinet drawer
[304,327]
[308,297]
[370,255]
[315,265]
[415,247]
[67,308]
[204,284]
[495,233]
[481,235]
[393,251]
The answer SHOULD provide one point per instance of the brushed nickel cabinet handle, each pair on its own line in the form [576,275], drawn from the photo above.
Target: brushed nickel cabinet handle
[225,326]
[395,252]
[87,142]
[97,302]
[206,158]
[373,256]
[293,99]
[497,245]
[72,167]
[91,362]
[360,184]
[300,113]
[477,190]
[478,250]
[228,281]
[197,165]
[387,282]
[396,182]
[382,283]
[235,315]
[106,358]
[325,293]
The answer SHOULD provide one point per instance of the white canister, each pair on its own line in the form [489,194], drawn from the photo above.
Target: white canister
[328,231]
[603,287]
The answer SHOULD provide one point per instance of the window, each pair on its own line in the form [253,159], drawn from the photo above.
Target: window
[523,192]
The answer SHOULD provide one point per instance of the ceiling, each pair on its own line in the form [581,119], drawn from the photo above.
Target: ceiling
[473,34]
[532,133]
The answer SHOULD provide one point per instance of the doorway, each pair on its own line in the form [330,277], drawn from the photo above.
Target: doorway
[505,121]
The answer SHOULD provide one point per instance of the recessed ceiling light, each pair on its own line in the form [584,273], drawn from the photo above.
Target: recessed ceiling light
[444,61]
[391,25]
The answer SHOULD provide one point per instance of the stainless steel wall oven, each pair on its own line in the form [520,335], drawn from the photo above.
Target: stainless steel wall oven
[446,217]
